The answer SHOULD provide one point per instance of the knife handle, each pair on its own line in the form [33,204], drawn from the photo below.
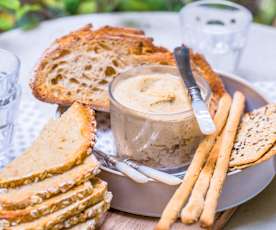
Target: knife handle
[131,172]
[182,57]
[159,176]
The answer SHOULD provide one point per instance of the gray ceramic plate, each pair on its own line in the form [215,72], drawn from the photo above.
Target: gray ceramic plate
[150,199]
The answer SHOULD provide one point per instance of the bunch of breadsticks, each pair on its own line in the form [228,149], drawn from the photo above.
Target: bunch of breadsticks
[197,197]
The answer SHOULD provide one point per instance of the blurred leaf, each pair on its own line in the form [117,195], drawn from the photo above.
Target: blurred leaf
[7,21]
[28,22]
[107,5]
[146,5]
[87,7]
[71,6]
[267,11]
[25,9]
[10,4]
[54,4]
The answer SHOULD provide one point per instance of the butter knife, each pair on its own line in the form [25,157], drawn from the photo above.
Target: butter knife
[138,173]
[157,175]
[123,167]
[202,115]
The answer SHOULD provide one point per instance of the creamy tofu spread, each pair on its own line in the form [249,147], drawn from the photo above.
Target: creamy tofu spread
[153,93]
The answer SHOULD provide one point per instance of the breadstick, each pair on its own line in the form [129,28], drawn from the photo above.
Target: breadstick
[181,195]
[191,212]
[217,181]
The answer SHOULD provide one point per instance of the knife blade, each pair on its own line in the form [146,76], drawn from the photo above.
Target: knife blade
[202,115]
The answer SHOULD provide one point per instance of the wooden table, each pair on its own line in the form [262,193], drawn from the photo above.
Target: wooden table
[123,221]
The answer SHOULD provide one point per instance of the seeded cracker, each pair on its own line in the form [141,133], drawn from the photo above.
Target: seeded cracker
[256,135]
[265,157]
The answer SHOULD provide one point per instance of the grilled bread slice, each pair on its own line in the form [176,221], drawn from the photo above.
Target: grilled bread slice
[79,66]
[95,212]
[48,206]
[53,219]
[62,144]
[35,193]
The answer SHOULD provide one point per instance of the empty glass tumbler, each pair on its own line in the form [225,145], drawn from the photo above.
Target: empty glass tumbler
[9,98]
[217,29]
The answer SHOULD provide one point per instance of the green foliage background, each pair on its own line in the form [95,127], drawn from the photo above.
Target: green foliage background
[28,13]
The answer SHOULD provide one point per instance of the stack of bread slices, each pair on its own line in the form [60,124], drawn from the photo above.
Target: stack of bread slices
[52,185]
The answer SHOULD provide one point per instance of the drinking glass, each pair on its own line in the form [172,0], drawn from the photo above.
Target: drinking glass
[10,93]
[217,29]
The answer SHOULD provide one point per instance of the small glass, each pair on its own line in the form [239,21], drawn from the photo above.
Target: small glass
[161,140]
[10,93]
[217,29]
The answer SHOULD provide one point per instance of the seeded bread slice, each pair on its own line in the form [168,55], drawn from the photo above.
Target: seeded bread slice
[49,206]
[91,224]
[63,143]
[35,193]
[256,135]
[94,212]
[51,220]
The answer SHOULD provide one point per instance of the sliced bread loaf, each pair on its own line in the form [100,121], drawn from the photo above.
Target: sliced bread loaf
[49,206]
[95,212]
[35,193]
[63,143]
[53,219]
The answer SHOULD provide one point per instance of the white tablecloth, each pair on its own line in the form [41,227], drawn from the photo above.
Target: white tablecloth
[257,66]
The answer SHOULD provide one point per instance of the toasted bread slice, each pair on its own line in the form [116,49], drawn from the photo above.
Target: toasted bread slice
[53,219]
[95,212]
[35,193]
[79,66]
[48,206]
[63,143]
